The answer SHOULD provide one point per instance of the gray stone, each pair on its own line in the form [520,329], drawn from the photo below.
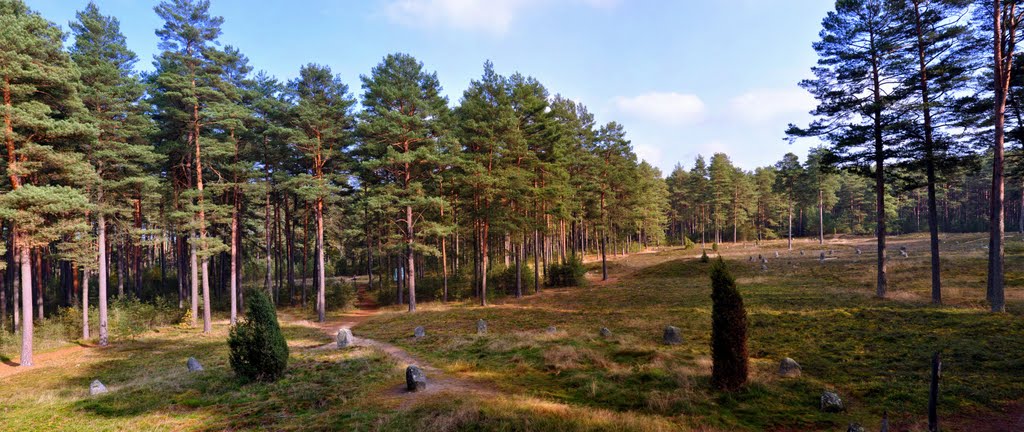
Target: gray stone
[415,380]
[97,388]
[801,253]
[830,252]
[751,259]
[764,267]
[859,251]
[789,368]
[345,337]
[605,332]
[776,254]
[193,365]
[830,402]
[552,329]
[760,258]
[821,258]
[903,252]
[481,326]
[854,427]
[419,332]
[672,336]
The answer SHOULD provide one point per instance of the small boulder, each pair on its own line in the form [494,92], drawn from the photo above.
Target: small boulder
[419,332]
[345,337]
[751,259]
[801,253]
[672,336]
[481,327]
[605,333]
[415,380]
[552,329]
[96,387]
[821,258]
[764,267]
[830,252]
[776,254]
[831,402]
[789,368]
[760,258]
[859,251]
[903,253]
[855,427]
[193,365]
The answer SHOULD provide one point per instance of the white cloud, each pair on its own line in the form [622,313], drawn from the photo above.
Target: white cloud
[767,105]
[663,107]
[489,16]
[652,154]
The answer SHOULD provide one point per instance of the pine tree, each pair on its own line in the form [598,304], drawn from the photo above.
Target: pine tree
[42,114]
[111,92]
[322,116]
[403,121]
[187,83]
[857,60]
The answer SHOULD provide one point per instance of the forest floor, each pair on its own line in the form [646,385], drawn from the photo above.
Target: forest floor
[874,353]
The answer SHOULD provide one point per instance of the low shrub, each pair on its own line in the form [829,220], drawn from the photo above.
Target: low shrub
[259,351]
[503,279]
[704,256]
[339,295]
[566,275]
[688,244]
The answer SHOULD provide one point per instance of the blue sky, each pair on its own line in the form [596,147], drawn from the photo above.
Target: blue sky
[683,76]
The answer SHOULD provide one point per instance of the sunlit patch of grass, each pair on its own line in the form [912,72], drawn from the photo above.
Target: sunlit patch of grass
[875,353]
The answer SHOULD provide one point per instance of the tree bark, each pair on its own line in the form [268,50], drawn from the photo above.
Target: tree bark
[1003,67]
[85,304]
[194,269]
[929,147]
[26,300]
[321,287]
[101,228]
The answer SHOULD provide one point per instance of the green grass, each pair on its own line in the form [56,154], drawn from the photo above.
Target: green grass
[874,353]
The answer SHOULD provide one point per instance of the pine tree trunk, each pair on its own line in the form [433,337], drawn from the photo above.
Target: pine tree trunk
[880,229]
[234,261]
[790,214]
[536,263]
[604,258]
[101,228]
[929,146]
[85,304]
[410,238]
[267,282]
[821,219]
[321,287]
[483,262]
[194,270]
[26,300]
[995,250]
[519,270]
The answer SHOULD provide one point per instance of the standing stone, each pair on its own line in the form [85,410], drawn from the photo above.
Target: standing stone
[97,388]
[760,258]
[605,332]
[903,252]
[885,422]
[552,329]
[672,336]
[830,252]
[854,427]
[193,365]
[821,258]
[419,332]
[789,368]
[801,253]
[415,380]
[764,267]
[481,326]
[859,251]
[751,259]
[776,254]
[345,337]
[830,402]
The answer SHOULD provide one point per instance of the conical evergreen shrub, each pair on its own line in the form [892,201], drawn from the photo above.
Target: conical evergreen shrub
[259,351]
[728,331]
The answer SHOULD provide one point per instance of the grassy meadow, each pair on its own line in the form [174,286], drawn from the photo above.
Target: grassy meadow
[519,376]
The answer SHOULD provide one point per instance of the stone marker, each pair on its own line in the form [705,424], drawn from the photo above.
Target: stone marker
[481,326]
[764,260]
[672,336]
[830,402]
[419,332]
[855,427]
[776,254]
[552,329]
[830,252]
[97,388]
[859,251]
[789,368]
[345,337]
[903,252]
[760,258]
[764,267]
[821,258]
[415,380]
[193,365]
[801,253]
[751,259]
[605,332]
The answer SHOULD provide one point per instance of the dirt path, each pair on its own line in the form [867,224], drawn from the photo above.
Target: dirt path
[60,357]
[438,381]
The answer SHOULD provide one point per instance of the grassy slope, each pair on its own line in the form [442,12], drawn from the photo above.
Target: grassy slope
[874,353]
